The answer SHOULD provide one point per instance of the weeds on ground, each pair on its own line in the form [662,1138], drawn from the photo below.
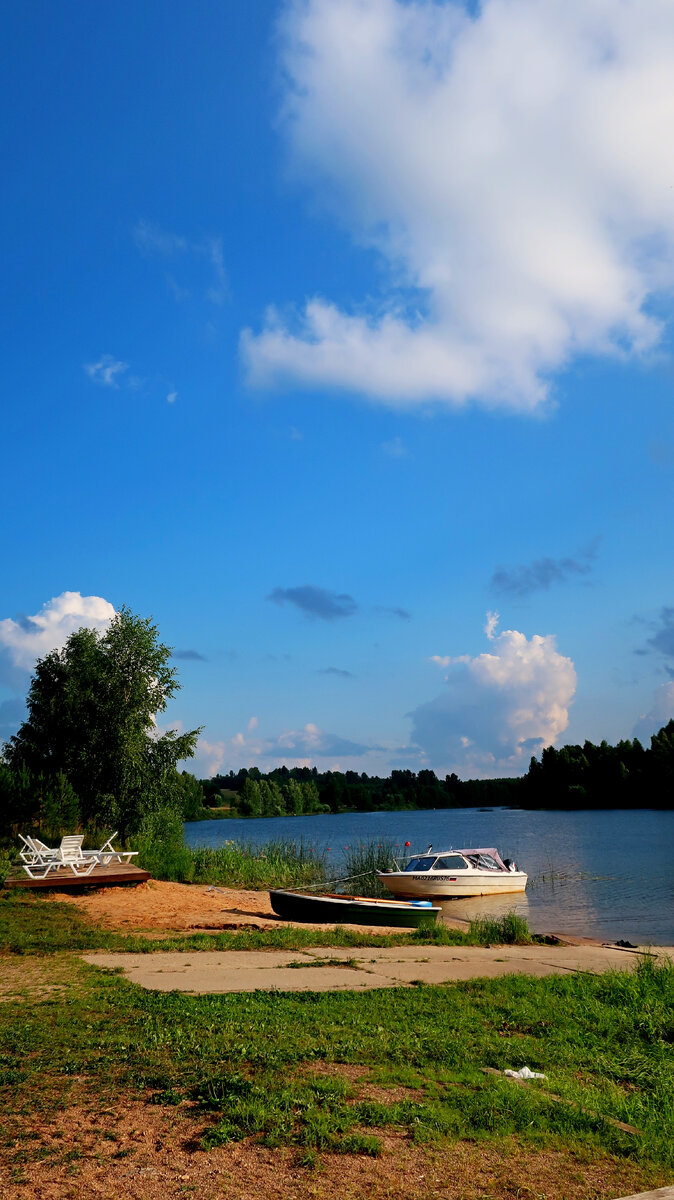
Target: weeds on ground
[256,1065]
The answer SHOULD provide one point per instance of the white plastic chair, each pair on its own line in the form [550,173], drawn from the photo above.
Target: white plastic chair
[35,851]
[38,859]
[108,854]
[70,854]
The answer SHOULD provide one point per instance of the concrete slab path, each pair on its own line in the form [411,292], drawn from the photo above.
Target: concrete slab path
[325,969]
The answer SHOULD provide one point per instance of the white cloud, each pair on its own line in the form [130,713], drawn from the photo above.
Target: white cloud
[106,370]
[660,712]
[441,660]
[295,747]
[490,626]
[28,638]
[208,759]
[512,168]
[498,708]
[172,397]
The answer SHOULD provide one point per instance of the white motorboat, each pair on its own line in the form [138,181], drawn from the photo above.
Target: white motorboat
[454,873]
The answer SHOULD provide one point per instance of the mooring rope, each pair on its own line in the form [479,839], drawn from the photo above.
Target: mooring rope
[307,887]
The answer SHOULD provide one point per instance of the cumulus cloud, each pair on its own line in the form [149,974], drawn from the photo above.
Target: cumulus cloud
[107,370]
[316,601]
[208,758]
[543,572]
[660,712]
[189,656]
[294,747]
[336,671]
[311,742]
[506,160]
[26,639]
[497,708]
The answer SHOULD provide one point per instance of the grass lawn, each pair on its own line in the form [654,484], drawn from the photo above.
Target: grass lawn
[313,1079]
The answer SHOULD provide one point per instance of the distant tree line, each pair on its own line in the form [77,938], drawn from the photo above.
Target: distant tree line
[623,776]
[589,776]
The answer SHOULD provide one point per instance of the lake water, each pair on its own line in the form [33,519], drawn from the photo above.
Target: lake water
[600,874]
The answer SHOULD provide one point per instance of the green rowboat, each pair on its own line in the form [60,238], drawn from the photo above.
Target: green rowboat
[352,910]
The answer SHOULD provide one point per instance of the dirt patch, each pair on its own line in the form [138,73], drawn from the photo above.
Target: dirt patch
[136,1151]
[157,908]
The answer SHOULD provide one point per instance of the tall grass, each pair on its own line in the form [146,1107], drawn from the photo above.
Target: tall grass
[508,930]
[280,863]
[361,862]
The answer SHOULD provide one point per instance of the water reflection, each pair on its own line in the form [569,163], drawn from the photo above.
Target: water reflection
[472,907]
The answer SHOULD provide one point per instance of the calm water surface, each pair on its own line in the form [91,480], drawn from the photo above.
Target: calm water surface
[601,874]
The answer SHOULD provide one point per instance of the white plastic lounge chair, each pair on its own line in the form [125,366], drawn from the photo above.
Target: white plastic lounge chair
[34,851]
[108,854]
[70,854]
[42,859]
[38,859]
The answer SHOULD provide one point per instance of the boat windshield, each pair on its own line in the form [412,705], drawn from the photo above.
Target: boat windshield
[485,862]
[421,864]
[450,862]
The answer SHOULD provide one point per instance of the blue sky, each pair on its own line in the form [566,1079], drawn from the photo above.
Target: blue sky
[332,329]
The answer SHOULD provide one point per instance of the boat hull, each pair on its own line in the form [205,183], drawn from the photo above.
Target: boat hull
[349,910]
[445,886]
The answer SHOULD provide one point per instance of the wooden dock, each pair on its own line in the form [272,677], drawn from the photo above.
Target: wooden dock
[63,878]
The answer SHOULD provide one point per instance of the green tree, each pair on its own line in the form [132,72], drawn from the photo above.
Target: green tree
[92,709]
[190,794]
[251,798]
[294,797]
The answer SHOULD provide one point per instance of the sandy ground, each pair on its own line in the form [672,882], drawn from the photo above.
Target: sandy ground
[159,908]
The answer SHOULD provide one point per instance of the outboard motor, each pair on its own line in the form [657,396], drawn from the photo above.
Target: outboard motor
[510,864]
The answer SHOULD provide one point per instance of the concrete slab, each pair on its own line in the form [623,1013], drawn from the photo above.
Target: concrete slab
[325,969]
[458,972]
[590,956]
[237,971]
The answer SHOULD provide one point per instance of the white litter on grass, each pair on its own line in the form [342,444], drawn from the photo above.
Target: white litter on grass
[524,1073]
